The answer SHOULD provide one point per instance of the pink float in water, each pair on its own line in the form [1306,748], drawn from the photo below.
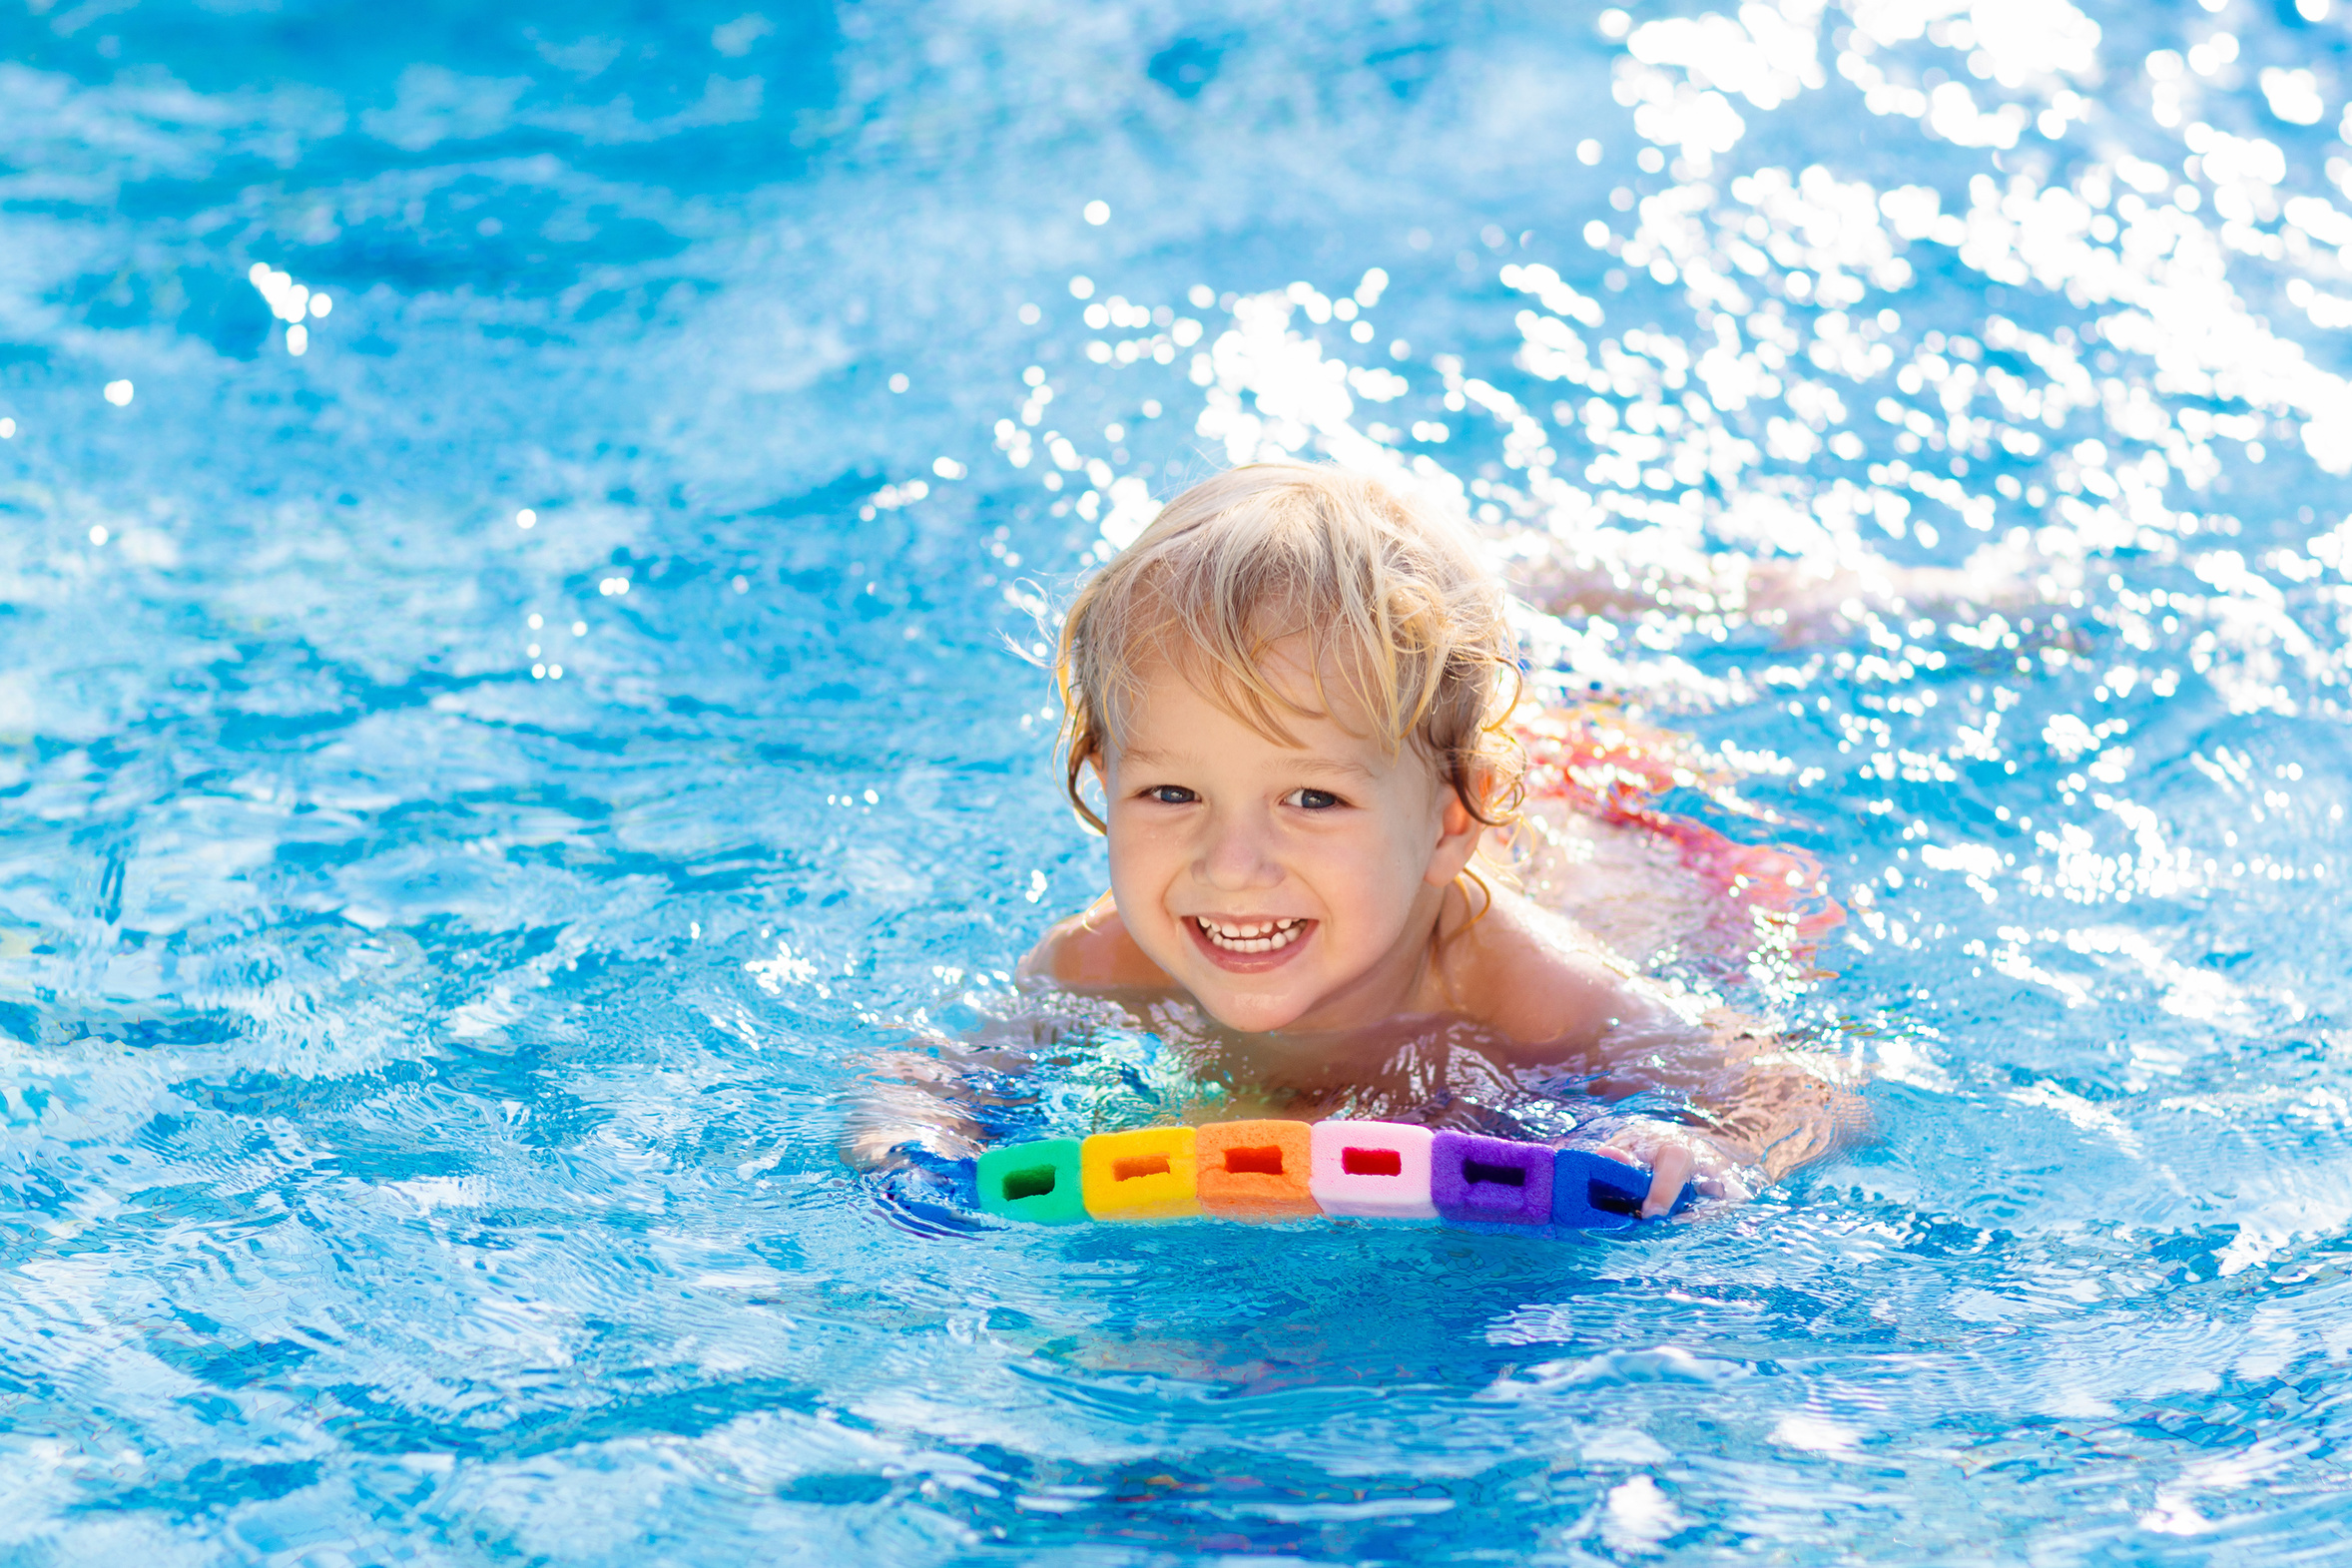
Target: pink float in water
[1375,1170]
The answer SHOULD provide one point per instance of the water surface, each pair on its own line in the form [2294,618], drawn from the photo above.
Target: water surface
[437,953]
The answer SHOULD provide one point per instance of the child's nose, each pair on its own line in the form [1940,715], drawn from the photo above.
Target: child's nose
[1236,853]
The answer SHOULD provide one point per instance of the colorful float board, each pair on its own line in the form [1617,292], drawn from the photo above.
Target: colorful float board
[1372,1170]
[1256,1170]
[1489,1180]
[1272,1170]
[1037,1182]
[1592,1192]
[1147,1173]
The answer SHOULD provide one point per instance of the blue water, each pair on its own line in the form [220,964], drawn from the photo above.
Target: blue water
[440,958]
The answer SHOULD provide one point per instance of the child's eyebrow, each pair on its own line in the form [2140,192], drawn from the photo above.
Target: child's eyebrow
[1328,767]
[1333,766]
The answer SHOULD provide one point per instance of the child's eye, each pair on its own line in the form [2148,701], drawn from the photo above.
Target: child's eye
[1311,799]
[1170,795]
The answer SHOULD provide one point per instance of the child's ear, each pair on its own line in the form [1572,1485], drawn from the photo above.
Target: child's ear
[1457,839]
[1100,768]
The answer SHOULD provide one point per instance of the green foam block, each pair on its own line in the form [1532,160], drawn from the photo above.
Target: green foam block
[1039,1182]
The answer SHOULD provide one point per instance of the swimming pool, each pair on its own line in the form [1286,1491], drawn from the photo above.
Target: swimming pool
[477,789]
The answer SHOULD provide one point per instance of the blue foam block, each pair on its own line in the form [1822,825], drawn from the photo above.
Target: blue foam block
[1592,1192]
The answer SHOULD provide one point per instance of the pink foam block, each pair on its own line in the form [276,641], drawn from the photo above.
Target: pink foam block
[1378,1170]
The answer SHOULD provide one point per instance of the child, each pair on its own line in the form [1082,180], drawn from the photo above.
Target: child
[1295,694]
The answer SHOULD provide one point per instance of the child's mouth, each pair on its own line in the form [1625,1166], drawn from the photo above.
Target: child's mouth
[1248,944]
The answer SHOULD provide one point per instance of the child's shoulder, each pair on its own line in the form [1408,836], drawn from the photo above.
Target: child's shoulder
[1533,975]
[1093,949]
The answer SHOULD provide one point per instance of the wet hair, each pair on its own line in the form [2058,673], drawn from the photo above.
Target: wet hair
[1393,601]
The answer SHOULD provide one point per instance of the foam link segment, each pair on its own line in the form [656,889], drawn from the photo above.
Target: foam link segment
[1271,1170]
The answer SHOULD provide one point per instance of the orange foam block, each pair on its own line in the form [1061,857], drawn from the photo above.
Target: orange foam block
[1146,1174]
[1255,1170]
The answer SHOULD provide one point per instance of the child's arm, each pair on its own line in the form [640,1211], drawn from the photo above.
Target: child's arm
[1766,1109]
[912,1101]
[923,1102]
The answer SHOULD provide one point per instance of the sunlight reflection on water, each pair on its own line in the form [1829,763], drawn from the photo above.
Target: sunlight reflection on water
[480,775]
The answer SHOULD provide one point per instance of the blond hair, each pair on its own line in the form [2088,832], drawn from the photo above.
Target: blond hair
[1392,602]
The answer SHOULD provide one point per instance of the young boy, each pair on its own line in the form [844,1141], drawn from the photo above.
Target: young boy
[1294,692]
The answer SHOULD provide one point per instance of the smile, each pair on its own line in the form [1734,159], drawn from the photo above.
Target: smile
[1258,936]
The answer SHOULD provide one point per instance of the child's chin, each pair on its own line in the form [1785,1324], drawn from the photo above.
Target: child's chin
[1249,1016]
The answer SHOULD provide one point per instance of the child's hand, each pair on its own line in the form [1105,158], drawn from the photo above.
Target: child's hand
[1676,1155]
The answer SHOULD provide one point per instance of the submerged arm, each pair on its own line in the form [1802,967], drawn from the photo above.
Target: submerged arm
[1759,1107]
[926,1101]
[914,1101]
[1781,1106]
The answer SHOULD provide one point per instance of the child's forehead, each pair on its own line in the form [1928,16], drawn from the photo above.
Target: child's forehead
[1172,720]
[1288,689]
[1307,667]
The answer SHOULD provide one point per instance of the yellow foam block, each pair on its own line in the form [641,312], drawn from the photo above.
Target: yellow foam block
[1143,1174]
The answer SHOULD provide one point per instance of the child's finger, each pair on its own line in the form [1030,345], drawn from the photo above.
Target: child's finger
[1671,1170]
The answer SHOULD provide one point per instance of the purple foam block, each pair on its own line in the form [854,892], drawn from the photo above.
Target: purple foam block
[1489,1180]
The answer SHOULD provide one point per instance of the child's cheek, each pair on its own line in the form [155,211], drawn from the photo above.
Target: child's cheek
[1132,873]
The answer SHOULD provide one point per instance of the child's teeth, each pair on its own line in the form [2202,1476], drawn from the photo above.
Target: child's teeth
[1259,938]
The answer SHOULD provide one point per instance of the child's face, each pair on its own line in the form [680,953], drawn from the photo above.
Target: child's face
[1283,887]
